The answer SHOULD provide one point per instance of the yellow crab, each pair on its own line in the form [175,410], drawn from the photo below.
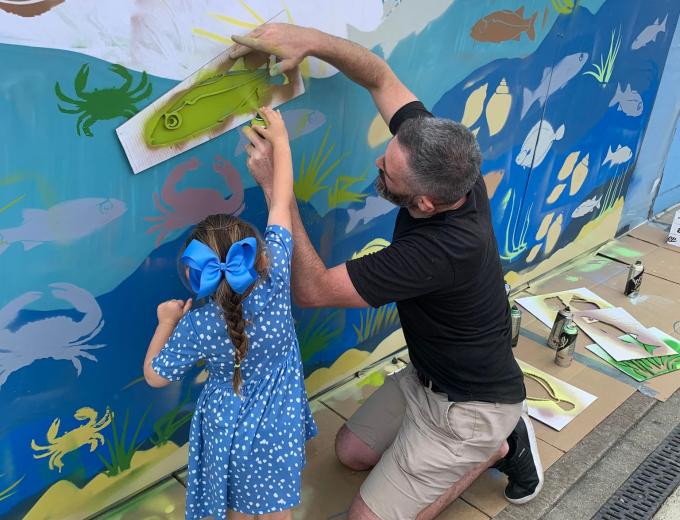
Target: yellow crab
[87,433]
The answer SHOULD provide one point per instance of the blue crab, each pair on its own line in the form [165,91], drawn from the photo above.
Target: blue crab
[106,103]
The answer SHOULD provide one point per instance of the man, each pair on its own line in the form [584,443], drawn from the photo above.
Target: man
[430,430]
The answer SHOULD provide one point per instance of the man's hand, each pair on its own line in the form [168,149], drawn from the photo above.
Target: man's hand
[172,311]
[260,160]
[289,42]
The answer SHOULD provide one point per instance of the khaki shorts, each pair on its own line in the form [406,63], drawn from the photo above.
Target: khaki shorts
[427,443]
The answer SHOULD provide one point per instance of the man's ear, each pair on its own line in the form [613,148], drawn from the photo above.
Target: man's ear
[426,205]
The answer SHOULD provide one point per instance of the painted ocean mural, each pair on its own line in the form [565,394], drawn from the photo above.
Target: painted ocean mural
[558,96]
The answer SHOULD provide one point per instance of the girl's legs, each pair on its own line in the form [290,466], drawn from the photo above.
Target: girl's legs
[280,515]
[234,515]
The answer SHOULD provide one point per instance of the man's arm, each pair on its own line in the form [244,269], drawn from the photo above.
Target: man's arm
[293,44]
[313,285]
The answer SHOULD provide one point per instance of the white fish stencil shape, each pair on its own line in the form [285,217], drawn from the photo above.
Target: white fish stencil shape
[621,155]
[537,144]
[649,34]
[299,122]
[554,79]
[586,207]
[629,101]
[58,337]
[374,207]
[64,222]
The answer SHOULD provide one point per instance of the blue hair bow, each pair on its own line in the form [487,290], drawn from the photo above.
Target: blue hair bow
[205,268]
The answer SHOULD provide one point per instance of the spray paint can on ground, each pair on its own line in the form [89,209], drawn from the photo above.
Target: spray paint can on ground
[634,279]
[516,320]
[562,317]
[564,354]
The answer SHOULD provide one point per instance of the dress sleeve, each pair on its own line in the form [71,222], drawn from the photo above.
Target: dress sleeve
[180,353]
[280,243]
[401,271]
[408,111]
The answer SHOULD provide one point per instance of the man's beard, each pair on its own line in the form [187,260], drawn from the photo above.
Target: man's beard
[403,201]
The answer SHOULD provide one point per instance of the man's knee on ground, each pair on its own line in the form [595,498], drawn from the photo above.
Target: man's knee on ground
[352,452]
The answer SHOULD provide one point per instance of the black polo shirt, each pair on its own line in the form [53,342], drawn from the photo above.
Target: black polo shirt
[445,275]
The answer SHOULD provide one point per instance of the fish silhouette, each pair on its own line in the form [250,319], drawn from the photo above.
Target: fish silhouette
[501,26]
[629,101]
[586,207]
[621,155]
[554,79]
[374,207]
[649,34]
[537,143]
[207,104]
[64,222]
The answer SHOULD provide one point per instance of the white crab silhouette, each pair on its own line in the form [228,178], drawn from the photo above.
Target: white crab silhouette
[56,337]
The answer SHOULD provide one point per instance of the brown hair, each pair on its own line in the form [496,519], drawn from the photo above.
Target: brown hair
[219,232]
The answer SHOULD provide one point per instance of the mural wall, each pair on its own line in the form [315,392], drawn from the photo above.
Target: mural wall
[558,94]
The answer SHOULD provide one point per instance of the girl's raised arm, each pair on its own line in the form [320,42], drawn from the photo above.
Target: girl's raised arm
[282,187]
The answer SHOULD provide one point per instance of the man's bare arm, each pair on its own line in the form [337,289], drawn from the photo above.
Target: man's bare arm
[293,44]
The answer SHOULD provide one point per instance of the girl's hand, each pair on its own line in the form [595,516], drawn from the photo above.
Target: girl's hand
[275,132]
[172,311]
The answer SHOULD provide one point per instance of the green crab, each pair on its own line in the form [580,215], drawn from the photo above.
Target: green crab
[106,103]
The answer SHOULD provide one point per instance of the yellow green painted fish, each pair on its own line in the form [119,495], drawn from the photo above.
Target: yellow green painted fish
[206,105]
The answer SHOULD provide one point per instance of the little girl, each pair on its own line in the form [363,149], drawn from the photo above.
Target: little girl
[248,432]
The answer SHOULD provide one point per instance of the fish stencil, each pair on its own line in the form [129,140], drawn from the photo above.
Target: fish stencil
[586,207]
[299,122]
[649,34]
[64,222]
[375,207]
[629,101]
[554,79]
[501,26]
[621,155]
[537,144]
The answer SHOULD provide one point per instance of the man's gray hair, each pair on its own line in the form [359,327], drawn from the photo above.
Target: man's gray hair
[443,156]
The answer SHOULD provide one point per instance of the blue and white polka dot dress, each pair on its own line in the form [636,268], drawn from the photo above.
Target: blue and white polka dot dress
[246,452]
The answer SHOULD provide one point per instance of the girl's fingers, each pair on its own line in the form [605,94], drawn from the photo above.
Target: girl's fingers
[253,135]
[187,306]
[263,133]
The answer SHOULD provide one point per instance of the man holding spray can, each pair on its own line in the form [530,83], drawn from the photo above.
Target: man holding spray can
[431,429]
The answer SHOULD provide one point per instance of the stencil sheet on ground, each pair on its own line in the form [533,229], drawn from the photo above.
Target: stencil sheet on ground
[552,401]
[644,369]
[546,306]
[605,326]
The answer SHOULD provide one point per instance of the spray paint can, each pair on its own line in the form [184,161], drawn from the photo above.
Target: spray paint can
[634,279]
[516,320]
[564,354]
[562,317]
[258,120]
